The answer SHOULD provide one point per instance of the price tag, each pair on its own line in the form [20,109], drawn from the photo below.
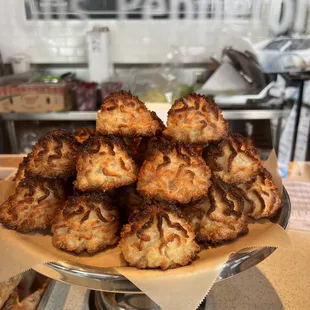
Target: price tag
[299,193]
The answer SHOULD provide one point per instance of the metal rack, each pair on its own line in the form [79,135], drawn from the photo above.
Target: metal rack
[9,119]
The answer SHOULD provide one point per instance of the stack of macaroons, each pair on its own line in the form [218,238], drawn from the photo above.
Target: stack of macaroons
[158,191]
[41,183]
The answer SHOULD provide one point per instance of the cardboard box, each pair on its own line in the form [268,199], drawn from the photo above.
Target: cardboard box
[35,98]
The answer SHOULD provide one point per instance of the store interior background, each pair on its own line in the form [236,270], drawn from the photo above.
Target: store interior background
[162,49]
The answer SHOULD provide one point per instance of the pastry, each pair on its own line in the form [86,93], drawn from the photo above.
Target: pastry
[33,205]
[87,222]
[196,119]
[234,159]
[53,156]
[124,114]
[261,198]
[103,164]
[174,172]
[158,237]
[219,216]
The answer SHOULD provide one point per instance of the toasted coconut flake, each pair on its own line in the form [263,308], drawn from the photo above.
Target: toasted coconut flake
[82,134]
[158,237]
[33,205]
[174,172]
[124,114]
[234,159]
[196,119]
[87,222]
[103,164]
[219,216]
[53,156]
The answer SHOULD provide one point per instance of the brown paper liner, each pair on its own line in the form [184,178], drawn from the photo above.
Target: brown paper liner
[182,288]
[185,288]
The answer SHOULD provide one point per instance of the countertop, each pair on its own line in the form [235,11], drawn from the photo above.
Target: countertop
[281,281]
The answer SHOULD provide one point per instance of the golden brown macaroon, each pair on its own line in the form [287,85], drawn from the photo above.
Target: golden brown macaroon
[33,205]
[234,159]
[174,172]
[103,164]
[20,174]
[87,222]
[196,119]
[158,237]
[82,134]
[261,198]
[219,216]
[54,155]
[125,115]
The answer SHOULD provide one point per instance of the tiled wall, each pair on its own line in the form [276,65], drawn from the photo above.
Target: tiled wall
[131,41]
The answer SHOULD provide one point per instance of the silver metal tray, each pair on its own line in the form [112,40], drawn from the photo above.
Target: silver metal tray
[109,280]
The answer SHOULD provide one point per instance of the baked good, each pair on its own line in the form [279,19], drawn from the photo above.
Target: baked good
[196,119]
[33,205]
[53,156]
[234,159]
[219,216]
[124,114]
[174,172]
[82,134]
[158,237]
[103,163]
[261,198]
[87,222]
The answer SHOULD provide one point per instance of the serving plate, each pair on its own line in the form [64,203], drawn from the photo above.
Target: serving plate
[109,280]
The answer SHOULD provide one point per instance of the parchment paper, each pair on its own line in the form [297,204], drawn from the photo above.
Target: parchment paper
[182,288]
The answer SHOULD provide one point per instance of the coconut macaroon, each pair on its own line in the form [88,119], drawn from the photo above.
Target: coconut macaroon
[33,205]
[82,134]
[158,237]
[219,216]
[196,119]
[87,222]
[174,172]
[234,159]
[103,163]
[124,114]
[53,156]
[261,198]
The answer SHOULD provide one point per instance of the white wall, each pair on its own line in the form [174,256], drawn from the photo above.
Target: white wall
[143,41]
